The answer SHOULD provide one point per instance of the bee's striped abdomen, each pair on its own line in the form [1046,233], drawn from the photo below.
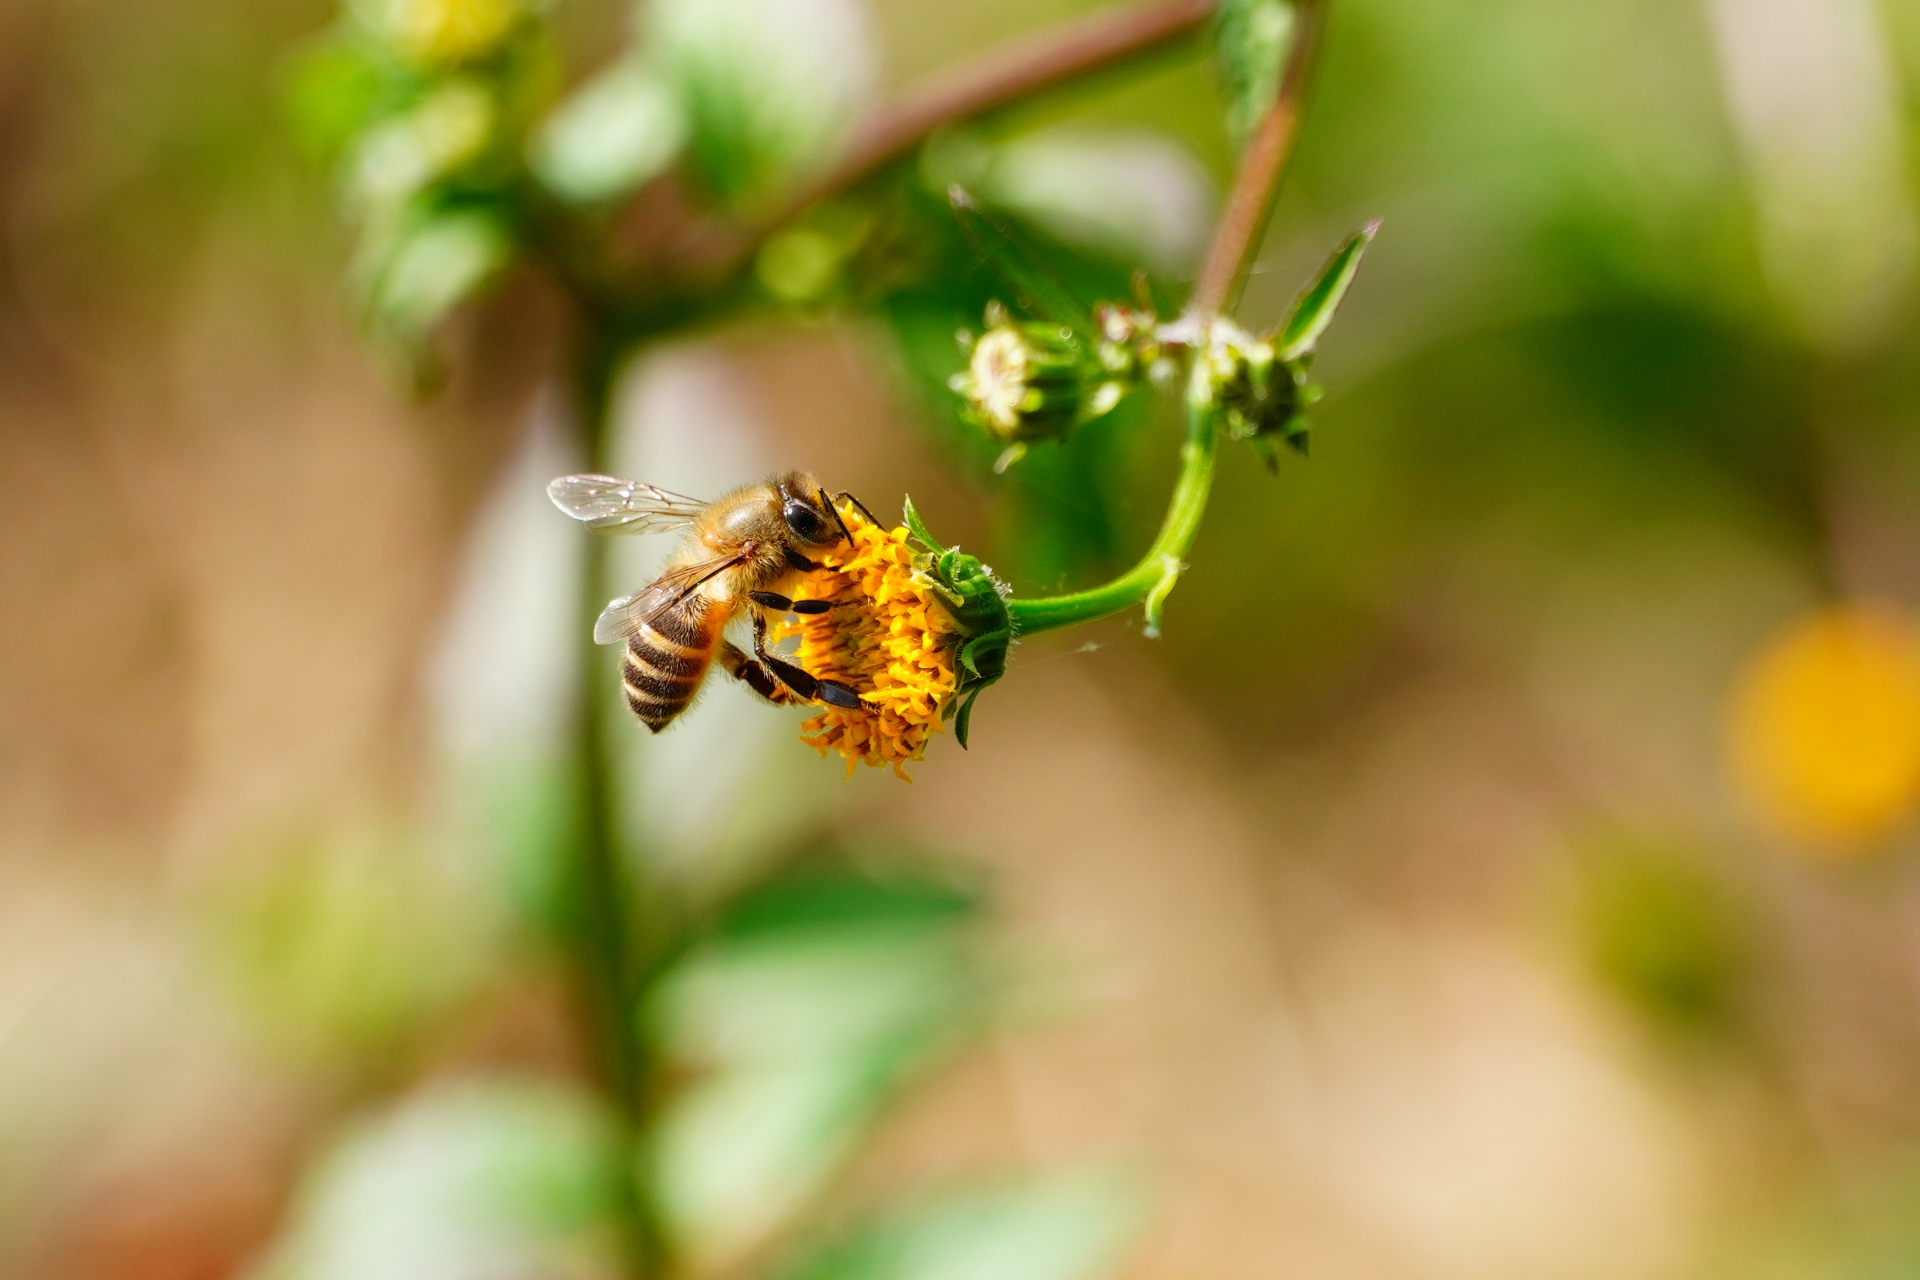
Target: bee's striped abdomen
[667,657]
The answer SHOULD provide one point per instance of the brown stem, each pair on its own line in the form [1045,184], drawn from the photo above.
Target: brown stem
[1236,238]
[711,250]
[1000,78]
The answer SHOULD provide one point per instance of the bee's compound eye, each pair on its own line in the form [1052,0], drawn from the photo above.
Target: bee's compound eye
[804,520]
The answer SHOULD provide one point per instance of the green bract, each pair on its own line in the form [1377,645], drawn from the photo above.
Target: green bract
[973,598]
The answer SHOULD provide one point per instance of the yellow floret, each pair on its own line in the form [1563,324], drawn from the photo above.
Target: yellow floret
[889,638]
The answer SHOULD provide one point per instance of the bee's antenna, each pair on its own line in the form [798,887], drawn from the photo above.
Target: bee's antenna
[844,496]
[827,502]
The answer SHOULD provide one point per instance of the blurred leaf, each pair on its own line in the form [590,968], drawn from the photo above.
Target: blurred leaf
[1064,1227]
[1862,1227]
[1251,38]
[347,944]
[436,261]
[399,157]
[1313,311]
[817,1002]
[804,263]
[836,897]
[1133,194]
[769,87]
[1665,935]
[615,132]
[1011,256]
[476,1180]
[339,85]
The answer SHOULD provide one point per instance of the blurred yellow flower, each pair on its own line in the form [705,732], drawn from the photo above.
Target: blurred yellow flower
[1826,726]
[892,640]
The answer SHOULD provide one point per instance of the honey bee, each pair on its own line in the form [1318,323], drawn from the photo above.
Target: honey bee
[734,554]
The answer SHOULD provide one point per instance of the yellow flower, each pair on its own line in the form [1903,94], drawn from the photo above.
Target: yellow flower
[1826,726]
[890,637]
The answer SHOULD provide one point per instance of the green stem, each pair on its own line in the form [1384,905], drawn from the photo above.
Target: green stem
[1153,577]
[609,940]
[1236,239]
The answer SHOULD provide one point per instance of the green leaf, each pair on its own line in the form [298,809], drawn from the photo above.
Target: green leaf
[1018,263]
[1313,309]
[963,722]
[465,1181]
[802,1022]
[444,133]
[1071,1226]
[1251,39]
[770,88]
[918,528]
[1135,195]
[434,263]
[336,87]
[619,129]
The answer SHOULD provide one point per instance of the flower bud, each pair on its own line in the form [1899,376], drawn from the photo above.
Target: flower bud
[1024,381]
[1261,396]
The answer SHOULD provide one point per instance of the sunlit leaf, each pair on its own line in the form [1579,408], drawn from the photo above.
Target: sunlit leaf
[400,156]
[1134,194]
[336,87]
[769,87]
[1313,310]
[434,264]
[1251,38]
[815,1005]
[619,129]
[477,1180]
[1066,1227]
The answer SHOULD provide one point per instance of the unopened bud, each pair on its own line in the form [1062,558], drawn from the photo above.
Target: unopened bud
[1260,395]
[1024,381]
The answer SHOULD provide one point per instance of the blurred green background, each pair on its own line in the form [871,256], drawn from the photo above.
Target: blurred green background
[1495,871]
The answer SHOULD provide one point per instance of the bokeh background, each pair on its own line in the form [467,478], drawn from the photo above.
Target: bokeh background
[1502,867]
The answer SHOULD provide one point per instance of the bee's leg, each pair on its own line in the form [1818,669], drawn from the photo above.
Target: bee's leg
[750,673]
[812,688]
[797,561]
[780,604]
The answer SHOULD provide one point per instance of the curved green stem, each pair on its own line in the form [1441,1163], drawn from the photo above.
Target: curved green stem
[1153,577]
[1235,241]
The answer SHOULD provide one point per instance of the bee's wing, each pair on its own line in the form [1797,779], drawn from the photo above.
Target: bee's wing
[628,614]
[623,506]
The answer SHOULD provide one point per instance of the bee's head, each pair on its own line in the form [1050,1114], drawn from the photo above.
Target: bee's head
[809,513]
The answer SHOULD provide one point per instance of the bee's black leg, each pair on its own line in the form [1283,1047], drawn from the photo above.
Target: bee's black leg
[749,672]
[797,561]
[780,604]
[812,688]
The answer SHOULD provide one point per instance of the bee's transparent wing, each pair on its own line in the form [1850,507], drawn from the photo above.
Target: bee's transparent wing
[623,506]
[628,614]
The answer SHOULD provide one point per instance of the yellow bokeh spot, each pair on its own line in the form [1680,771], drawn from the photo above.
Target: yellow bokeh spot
[1826,727]
[449,31]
